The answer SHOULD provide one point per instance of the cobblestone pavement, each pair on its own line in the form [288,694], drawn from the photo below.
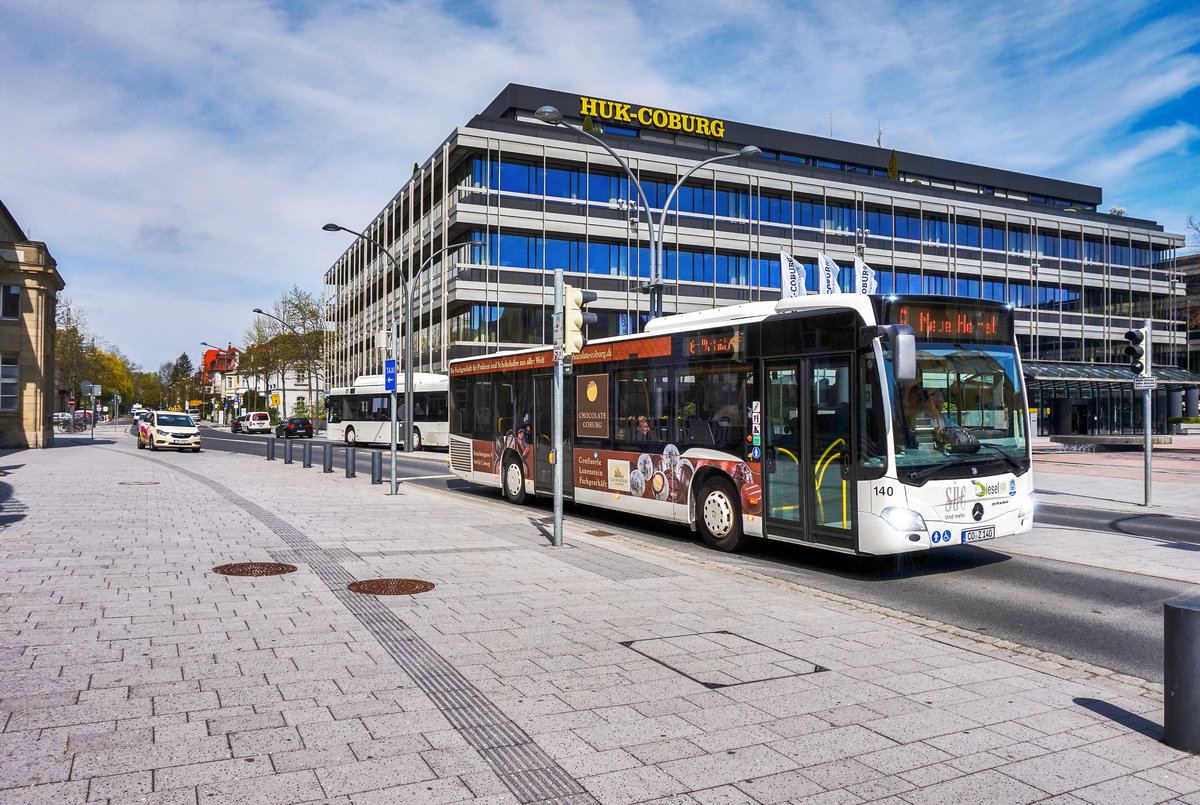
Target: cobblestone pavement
[604,672]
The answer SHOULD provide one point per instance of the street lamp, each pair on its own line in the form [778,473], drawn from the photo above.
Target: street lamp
[406,288]
[551,115]
[312,364]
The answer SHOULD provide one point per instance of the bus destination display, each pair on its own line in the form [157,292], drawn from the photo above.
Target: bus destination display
[714,344]
[953,322]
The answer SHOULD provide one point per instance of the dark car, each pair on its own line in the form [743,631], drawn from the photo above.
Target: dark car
[294,426]
[237,426]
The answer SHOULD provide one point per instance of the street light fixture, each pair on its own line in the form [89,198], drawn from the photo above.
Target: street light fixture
[312,364]
[406,289]
[552,116]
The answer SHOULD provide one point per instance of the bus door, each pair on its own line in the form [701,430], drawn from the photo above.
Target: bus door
[807,474]
[543,436]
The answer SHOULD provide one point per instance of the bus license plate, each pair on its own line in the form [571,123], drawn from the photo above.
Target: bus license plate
[978,534]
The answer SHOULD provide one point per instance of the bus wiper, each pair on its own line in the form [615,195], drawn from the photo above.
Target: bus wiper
[1012,462]
[921,475]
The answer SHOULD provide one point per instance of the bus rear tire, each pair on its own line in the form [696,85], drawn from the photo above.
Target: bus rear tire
[512,482]
[351,439]
[416,439]
[718,515]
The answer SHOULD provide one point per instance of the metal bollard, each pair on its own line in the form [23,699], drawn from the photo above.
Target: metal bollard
[327,458]
[376,467]
[271,449]
[1181,675]
[308,454]
[349,462]
[287,451]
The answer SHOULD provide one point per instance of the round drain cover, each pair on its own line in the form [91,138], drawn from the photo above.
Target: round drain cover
[391,587]
[255,569]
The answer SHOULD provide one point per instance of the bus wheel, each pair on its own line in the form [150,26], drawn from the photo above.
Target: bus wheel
[514,482]
[416,439]
[351,439]
[718,515]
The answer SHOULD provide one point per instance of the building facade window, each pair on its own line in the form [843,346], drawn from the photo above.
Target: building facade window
[9,369]
[10,302]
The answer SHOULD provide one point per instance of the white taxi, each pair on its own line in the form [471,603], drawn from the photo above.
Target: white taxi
[163,429]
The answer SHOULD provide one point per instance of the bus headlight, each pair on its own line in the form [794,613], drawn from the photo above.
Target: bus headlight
[903,519]
[1025,505]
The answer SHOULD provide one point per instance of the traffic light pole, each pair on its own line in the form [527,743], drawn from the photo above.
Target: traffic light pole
[1146,418]
[556,452]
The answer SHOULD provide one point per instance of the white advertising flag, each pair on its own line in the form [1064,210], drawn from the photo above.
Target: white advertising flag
[827,282]
[792,274]
[864,277]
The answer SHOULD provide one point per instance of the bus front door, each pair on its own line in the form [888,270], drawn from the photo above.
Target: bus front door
[809,493]
[543,438]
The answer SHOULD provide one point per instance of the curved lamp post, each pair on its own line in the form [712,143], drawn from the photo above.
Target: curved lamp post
[312,364]
[406,288]
[551,115]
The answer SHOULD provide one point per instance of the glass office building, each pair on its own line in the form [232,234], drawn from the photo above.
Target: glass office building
[524,197]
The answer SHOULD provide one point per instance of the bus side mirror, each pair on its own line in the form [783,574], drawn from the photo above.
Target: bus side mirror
[904,357]
[904,347]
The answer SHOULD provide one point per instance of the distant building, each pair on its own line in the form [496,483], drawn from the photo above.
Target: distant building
[524,198]
[29,284]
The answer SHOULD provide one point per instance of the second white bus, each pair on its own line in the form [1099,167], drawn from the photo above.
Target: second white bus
[360,413]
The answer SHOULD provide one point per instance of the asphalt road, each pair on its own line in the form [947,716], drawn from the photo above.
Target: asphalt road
[1110,618]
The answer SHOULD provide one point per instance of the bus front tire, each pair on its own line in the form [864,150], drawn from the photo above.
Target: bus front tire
[351,439]
[416,439]
[513,482]
[718,516]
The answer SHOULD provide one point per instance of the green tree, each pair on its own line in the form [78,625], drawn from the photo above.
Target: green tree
[893,168]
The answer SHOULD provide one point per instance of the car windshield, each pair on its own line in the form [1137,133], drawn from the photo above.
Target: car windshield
[965,408]
[175,420]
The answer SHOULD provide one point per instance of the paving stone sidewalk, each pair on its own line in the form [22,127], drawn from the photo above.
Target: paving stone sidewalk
[604,672]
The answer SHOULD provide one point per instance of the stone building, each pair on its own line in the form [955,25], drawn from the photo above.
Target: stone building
[29,284]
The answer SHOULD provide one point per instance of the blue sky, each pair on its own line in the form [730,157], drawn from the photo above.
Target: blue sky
[179,158]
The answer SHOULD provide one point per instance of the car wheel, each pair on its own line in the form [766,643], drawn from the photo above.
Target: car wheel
[153,447]
[140,445]
[195,449]
[514,482]
[351,438]
[718,515]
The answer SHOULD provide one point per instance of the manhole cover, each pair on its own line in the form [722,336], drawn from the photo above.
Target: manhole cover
[391,587]
[599,533]
[255,569]
[138,483]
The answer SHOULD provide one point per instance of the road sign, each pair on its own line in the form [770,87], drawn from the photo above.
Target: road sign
[389,375]
[1145,383]
[71,401]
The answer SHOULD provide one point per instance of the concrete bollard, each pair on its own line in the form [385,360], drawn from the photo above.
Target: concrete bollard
[350,462]
[287,451]
[376,467]
[271,449]
[307,454]
[1181,675]
[327,458]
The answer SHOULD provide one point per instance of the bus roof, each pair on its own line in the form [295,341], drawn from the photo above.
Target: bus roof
[373,384]
[725,316]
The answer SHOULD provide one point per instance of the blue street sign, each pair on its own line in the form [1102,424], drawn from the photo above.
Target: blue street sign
[389,375]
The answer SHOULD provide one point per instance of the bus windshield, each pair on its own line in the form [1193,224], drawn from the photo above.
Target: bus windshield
[965,408]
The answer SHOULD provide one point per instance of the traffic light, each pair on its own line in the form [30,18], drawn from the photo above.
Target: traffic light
[1136,352]
[574,317]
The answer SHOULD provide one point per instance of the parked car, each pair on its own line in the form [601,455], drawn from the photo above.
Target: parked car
[257,422]
[299,426]
[194,413]
[168,429]
[62,421]
[239,424]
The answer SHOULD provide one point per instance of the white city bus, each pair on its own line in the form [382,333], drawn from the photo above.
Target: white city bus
[782,420]
[360,413]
